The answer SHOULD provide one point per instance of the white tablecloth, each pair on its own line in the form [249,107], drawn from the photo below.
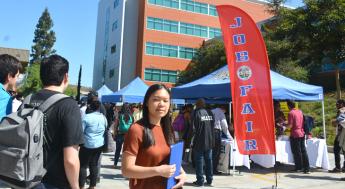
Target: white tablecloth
[229,150]
[316,149]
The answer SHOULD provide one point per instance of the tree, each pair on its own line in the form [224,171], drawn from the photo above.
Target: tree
[274,6]
[43,47]
[308,36]
[209,57]
[44,38]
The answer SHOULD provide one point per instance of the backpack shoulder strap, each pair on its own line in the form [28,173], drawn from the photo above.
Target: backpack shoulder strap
[51,101]
[27,99]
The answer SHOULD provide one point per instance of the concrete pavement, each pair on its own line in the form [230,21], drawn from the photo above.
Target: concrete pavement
[255,178]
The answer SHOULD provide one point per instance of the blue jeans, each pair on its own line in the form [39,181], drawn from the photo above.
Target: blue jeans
[119,141]
[198,158]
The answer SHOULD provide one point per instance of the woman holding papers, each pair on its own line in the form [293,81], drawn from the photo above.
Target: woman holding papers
[147,144]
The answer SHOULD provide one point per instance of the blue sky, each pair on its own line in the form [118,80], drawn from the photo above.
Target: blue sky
[74,25]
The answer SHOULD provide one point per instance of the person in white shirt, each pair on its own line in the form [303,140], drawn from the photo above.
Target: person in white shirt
[220,129]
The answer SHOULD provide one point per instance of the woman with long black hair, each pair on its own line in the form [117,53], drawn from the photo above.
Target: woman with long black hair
[147,144]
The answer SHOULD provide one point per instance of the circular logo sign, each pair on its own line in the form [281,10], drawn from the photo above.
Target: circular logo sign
[244,73]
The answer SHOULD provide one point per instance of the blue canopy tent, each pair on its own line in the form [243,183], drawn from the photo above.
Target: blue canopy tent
[104,90]
[216,87]
[134,92]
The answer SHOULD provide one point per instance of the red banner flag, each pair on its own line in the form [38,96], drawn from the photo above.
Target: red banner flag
[250,81]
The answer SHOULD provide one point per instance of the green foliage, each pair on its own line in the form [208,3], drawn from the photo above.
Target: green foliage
[33,82]
[43,43]
[71,91]
[209,57]
[292,70]
[314,109]
[44,38]
[274,6]
[308,35]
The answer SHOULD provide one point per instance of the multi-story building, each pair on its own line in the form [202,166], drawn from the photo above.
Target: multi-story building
[156,39]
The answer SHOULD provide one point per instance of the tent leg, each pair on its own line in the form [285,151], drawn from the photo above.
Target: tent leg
[230,112]
[323,120]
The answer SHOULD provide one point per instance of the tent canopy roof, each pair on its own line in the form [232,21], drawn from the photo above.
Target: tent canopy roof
[216,85]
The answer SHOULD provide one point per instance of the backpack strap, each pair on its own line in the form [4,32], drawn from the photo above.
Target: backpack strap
[27,99]
[51,101]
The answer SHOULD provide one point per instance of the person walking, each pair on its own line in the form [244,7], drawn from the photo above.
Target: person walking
[94,127]
[203,142]
[63,131]
[146,147]
[125,121]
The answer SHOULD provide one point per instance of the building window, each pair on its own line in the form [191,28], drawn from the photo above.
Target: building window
[213,11]
[116,3]
[187,5]
[162,25]
[186,53]
[192,29]
[160,75]
[113,49]
[114,26]
[165,3]
[111,73]
[214,32]
[158,49]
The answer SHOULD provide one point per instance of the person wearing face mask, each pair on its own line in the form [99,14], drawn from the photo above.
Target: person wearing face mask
[9,72]
[146,147]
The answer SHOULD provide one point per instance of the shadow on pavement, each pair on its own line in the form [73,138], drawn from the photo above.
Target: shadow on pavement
[112,176]
[313,177]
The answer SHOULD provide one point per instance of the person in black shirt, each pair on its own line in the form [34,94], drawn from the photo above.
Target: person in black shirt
[203,142]
[63,130]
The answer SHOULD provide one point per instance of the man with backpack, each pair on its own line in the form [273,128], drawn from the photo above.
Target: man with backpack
[9,72]
[63,130]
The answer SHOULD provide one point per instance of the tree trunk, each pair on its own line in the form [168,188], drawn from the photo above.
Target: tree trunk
[337,83]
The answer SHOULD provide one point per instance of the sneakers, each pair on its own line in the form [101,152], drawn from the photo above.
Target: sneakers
[196,184]
[209,184]
[335,170]
[306,172]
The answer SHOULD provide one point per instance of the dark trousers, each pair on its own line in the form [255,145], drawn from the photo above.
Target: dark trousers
[216,149]
[299,152]
[119,141]
[199,158]
[89,158]
[45,186]
[337,150]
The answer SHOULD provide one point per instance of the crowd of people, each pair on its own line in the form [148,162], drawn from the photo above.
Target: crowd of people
[75,135]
